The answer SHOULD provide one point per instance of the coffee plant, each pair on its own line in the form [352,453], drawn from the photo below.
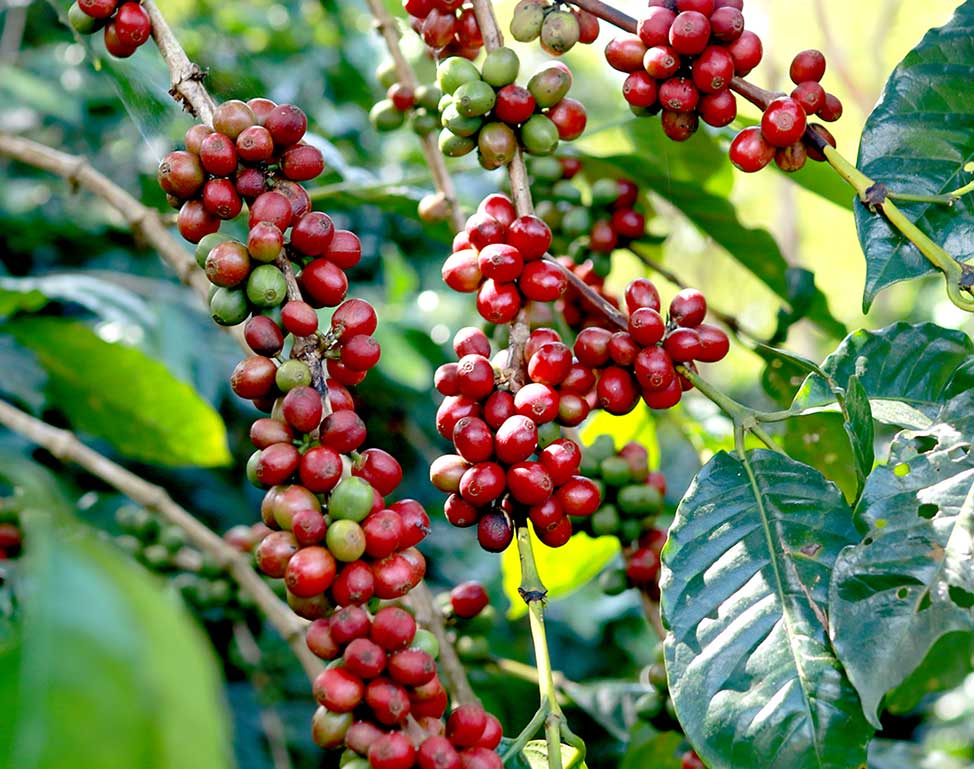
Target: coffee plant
[718,515]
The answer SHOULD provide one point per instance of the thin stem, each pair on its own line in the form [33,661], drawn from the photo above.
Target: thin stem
[946,199]
[66,447]
[552,735]
[607,13]
[518,743]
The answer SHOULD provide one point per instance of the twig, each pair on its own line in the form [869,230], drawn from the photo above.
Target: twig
[66,447]
[270,721]
[442,180]
[185,76]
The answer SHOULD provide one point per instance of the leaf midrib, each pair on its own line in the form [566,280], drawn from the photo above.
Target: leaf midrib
[779,585]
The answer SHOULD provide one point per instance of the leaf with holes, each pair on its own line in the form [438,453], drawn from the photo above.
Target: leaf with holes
[907,583]
[820,440]
[744,591]
[908,370]
[918,140]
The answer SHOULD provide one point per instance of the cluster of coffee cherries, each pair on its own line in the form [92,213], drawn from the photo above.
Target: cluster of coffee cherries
[126,25]
[448,27]
[655,706]
[681,62]
[382,700]
[781,136]
[419,105]
[642,360]
[586,226]
[500,255]
[485,109]
[200,580]
[253,153]
[511,465]
[559,25]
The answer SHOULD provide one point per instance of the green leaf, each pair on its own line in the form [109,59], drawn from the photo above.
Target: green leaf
[821,441]
[23,379]
[917,366]
[946,665]
[105,298]
[563,570]
[109,670]
[659,750]
[744,592]
[118,394]
[899,587]
[917,140]
[610,702]
[859,427]
[536,753]
[13,300]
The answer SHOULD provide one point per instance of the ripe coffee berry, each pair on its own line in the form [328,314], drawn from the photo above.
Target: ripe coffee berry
[468,599]
[783,122]
[807,66]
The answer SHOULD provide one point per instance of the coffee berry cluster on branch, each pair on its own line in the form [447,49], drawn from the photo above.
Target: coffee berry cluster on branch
[485,109]
[334,539]
[126,26]
[558,25]
[420,105]
[447,27]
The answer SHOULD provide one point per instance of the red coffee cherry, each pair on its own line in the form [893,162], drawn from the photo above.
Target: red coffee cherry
[380,469]
[746,52]
[98,9]
[807,66]
[500,262]
[393,628]
[661,62]
[495,531]
[302,162]
[319,641]
[286,124]
[468,599]
[498,407]
[349,623]
[299,318]
[654,369]
[274,552]
[364,659]
[412,667]
[342,430]
[579,496]
[483,229]
[498,303]
[483,483]
[465,725]
[323,284]
[132,24]
[623,348]
[338,689]
[654,27]
[678,94]
[831,110]
[302,409]
[783,122]
[538,402]
[542,281]
[480,758]
[639,89]
[388,701]
[642,567]
[617,391]
[255,144]
[529,483]
[683,345]
[473,439]
[690,33]
[810,95]
[181,174]
[516,440]
[218,154]
[750,151]
[273,207]
[194,222]
[713,70]
[714,343]
[550,364]
[253,377]
[352,318]
[640,292]
[313,233]
[688,308]
[436,752]
[264,432]
[530,236]
[309,572]
[569,117]
[726,24]
[625,53]
[514,104]
[646,326]
[471,341]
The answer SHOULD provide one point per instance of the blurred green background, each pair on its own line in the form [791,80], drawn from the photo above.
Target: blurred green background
[77,252]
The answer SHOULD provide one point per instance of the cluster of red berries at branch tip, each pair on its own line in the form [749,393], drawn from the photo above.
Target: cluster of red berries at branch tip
[782,135]
[681,61]
[126,26]
[559,25]
[511,464]
[642,360]
[381,698]
[500,256]
[447,27]
[253,153]
[419,105]
[485,109]
[585,227]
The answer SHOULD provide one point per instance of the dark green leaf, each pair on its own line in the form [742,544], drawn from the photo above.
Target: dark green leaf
[118,394]
[660,750]
[859,427]
[946,665]
[103,297]
[821,441]
[744,591]
[895,587]
[23,378]
[907,370]
[917,140]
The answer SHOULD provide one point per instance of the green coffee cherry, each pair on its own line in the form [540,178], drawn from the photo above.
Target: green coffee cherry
[549,86]
[425,641]
[605,521]
[445,101]
[578,249]
[345,539]
[424,122]
[613,581]
[639,500]
[548,212]
[527,20]
[605,192]
[559,32]
[496,144]
[458,124]
[386,74]
[474,99]
[385,117]
[545,169]
[292,373]
[210,567]
[156,557]
[602,447]
[649,705]
[428,97]
[539,135]
[266,286]
[454,72]
[252,462]
[228,306]
[454,146]
[208,243]
[483,622]
[500,68]
[82,23]
[172,538]
[473,648]
[351,499]
[548,433]
[630,529]
[129,544]
[564,190]
[576,221]
[602,264]
[615,471]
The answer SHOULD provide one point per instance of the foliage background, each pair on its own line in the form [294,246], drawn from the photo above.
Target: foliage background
[78,254]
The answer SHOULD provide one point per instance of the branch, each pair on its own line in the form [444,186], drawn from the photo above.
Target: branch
[442,180]
[66,447]
[185,76]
